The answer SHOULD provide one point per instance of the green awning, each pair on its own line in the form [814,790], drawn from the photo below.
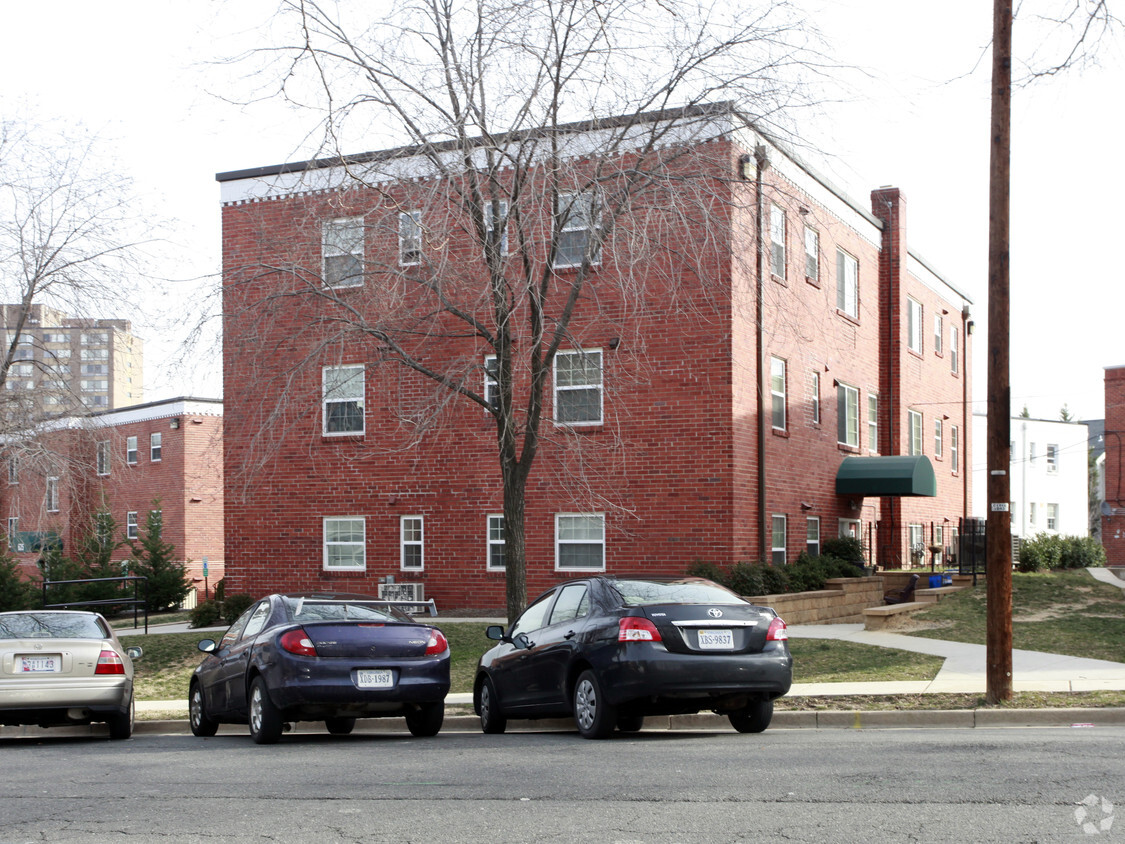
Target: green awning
[886,476]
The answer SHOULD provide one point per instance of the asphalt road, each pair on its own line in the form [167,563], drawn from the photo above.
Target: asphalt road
[707,786]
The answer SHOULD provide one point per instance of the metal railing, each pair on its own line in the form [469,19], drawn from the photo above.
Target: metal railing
[134,602]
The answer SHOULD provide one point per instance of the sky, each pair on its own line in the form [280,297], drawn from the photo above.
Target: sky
[151,78]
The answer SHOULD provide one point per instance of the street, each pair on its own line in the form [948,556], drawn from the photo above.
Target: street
[798,785]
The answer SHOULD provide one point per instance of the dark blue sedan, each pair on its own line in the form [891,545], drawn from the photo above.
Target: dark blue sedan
[321,657]
[610,651]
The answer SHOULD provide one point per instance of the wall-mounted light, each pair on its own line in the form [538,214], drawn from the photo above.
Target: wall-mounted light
[806,506]
[746,169]
[803,211]
[614,342]
[174,423]
[969,327]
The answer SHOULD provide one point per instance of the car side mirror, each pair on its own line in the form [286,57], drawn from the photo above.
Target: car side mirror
[134,653]
[494,631]
[208,646]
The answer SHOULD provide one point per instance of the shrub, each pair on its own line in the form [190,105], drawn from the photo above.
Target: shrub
[234,606]
[16,592]
[747,579]
[846,548]
[1079,552]
[207,614]
[1040,553]
[709,571]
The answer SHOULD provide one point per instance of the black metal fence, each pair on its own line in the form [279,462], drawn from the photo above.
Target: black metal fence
[136,602]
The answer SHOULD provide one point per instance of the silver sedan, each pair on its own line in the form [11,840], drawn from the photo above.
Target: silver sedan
[61,667]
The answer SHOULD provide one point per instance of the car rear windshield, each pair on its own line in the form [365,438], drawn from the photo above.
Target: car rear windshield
[319,609]
[637,593]
[51,625]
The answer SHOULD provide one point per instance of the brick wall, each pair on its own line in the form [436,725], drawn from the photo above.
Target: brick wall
[1113,523]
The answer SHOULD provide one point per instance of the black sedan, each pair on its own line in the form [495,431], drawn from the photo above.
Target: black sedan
[321,657]
[609,651]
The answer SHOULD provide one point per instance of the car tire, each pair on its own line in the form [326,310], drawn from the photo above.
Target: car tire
[492,720]
[593,714]
[266,723]
[754,718]
[425,720]
[341,726]
[630,723]
[201,725]
[121,723]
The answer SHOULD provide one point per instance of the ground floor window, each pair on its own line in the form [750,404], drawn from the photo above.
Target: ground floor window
[410,533]
[344,544]
[777,551]
[496,543]
[917,546]
[812,536]
[580,542]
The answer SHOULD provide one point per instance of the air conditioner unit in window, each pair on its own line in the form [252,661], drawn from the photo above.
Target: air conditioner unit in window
[404,592]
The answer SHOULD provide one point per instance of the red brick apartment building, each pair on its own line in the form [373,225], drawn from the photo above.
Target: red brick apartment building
[679,426]
[1113,512]
[119,462]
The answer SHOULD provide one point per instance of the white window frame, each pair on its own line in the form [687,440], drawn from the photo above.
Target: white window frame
[586,386]
[52,495]
[1031,513]
[954,350]
[847,415]
[778,263]
[131,525]
[409,238]
[1052,459]
[847,284]
[412,536]
[812,536]
[914,430]
[590,518]
[914,316]
[361,544]
[812,255]
[490,222]
[778,414]
[13,469]
[494,534]
[131,453]
[1053,517]
[778,555]
[578,212]
[155,447]
[954,449]
[937,439]
[343,398]
[814,396]
[873,423]
[342,237]
[939,333]
[491,380]
[13,533]
[101,460]
[915,536]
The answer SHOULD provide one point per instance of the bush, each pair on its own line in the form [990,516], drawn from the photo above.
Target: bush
[1081,552]
[16,592]
[234,606]
[1049,551]
[807,574]
[207,614]
[846,548]
[709,571]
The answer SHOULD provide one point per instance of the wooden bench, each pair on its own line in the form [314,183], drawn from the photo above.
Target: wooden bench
[878,618]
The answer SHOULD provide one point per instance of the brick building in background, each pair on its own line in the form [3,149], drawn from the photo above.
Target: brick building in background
[1113,508]
[659,449]
[119,462]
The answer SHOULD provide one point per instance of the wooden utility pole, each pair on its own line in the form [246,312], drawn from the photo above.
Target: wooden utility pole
[998,551]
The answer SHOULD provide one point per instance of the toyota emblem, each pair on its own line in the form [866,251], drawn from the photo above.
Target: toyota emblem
[714,612]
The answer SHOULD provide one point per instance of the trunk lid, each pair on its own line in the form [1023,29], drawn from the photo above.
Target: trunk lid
[368,639]
[711,628]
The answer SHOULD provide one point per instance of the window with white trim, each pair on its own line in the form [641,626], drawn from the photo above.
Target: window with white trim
[914,433]
[52,495]
[496,543]
[1031,453]
[343,400]
[131,524]
[1052,517]
[102,459]
[131,450]
[491,380]
[1052,458]
[496,213]
[937,438]
[13,533]
[580,542]
[873,423]
[954,449]
[777,392]
[777,241]
[345,543]
[578,387]
[411,543]
[777,542]
[914,325]
[812,255]
[342,252]
[915,536]
[13,469]
[410,238]
[577,220]
[812,536]
[939,333]
[847,284]
[954,349]
[814,396]
[847,415]
[155,449]
[1032,513]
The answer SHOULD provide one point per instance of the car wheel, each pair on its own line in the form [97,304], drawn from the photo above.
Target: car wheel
[201,725]
[121,723]
[592,713]
[492,719]
[426,719]
[265,718]
[754,718]
[630,723]
[339,726]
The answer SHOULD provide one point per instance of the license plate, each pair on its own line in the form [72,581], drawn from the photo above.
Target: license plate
[366,678]
[716,640]
[40,664]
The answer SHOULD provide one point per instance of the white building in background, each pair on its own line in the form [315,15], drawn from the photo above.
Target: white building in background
[1049,476]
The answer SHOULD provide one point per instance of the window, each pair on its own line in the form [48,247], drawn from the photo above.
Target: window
[578,388]
[344,544]
[497,213]
[343,400]
[491,381]
[1031,513]
[812,536]
[914,433]
[1031,453]
[131,525]
[1052,458]
[342,250]
[95,354]
[939,332]
[847,284]
[572,603]
[914,325]
[131,450]
[954,449]
[103,529]
[777,392]
[580,542]
[95,369]
[917,546]
[13,533]
[496,543]
[814,396]
[812,255]
[13,469]
[102,460]
[777,241]
[577,220]
[873,423]
[95,385]
[154,447]
[777,543]
[97,339]
[847,415]
[257,620]
[1052,517]
[954,345]
[410,238]
[52,495]
[937,439]
[410,537]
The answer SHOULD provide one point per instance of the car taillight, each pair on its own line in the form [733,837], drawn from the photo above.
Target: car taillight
[297,642]
[109,663]
[437,644]
[634,629]
[777,631]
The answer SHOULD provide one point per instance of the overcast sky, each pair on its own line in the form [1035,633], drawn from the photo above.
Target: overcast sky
[147,75]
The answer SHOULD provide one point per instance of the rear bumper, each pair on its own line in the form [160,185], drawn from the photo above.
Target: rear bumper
[65,702]
[322,688]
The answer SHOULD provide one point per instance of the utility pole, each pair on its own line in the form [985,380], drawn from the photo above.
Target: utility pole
[998,550]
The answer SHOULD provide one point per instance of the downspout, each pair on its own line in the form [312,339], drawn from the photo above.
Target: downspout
[764,542]
[966,432]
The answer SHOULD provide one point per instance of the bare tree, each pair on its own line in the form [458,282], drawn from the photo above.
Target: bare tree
[489,103]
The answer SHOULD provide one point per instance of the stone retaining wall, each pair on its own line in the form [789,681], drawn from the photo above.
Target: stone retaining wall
[842,601]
